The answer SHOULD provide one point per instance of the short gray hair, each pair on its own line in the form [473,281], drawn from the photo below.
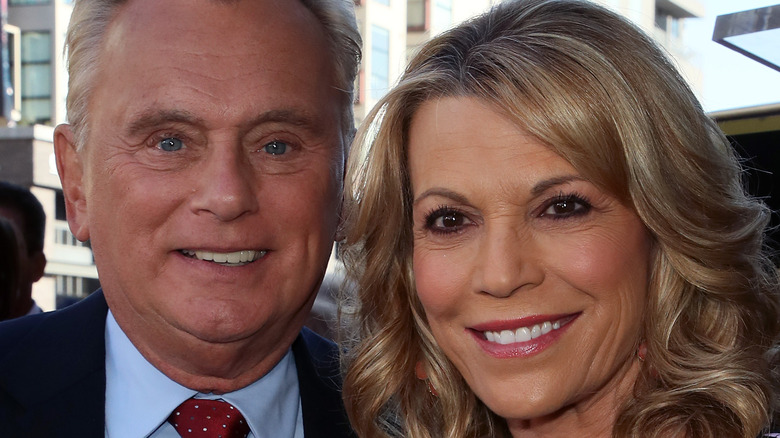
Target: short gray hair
[91,18]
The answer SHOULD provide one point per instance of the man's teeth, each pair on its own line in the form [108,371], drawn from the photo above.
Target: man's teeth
[229,258]
[523,334]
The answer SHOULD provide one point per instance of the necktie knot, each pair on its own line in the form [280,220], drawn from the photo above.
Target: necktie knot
[199,418]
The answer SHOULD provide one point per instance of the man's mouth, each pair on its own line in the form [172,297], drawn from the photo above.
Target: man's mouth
[236,258]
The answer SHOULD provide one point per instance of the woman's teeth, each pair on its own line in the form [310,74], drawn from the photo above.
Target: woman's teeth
[522,334]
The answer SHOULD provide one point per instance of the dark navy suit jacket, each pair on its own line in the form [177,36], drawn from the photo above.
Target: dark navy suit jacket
[53,376]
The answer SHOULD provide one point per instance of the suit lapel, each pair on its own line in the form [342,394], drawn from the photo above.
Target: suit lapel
[320,385]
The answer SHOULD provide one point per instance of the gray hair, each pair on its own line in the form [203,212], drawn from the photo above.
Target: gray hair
[91,18]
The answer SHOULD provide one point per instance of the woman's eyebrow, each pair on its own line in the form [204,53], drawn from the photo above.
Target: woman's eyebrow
[547,184]
[439,191]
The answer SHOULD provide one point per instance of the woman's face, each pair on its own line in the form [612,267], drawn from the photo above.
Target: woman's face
[533,280]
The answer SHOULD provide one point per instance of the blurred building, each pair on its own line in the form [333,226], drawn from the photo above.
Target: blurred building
[393,29]
[42,26]
[35,31]
[665,21]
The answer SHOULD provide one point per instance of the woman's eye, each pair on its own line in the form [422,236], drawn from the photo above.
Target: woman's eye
[170,144]
[445,220]
[566,206]
[449,220]
[276,147]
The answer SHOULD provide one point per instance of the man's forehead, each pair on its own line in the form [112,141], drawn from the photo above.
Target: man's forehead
[213,16]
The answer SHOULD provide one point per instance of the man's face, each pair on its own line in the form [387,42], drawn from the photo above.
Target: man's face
[212,169]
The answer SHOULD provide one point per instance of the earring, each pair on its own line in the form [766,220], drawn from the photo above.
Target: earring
[419,372]
[641,352]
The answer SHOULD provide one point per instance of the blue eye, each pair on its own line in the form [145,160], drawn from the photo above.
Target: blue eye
[276,147]
[171,144]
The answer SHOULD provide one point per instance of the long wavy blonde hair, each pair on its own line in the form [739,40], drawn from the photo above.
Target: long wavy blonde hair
[600,93]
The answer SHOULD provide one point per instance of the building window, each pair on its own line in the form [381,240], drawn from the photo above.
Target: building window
[69,289]
[380,61]
[442,14]
[415,15]
[36,77]
[28,2]
[667,23]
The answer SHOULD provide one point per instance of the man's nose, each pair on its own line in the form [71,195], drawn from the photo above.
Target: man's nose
[228,184]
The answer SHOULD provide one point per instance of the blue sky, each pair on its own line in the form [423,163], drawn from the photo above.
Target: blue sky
[730,80]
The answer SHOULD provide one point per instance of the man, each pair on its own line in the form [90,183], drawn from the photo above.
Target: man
[22,208]
[204,161]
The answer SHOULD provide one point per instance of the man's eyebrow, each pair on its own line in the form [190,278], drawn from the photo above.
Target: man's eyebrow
[285,115]
[153,119]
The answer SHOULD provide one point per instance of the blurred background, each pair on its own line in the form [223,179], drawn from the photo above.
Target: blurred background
[728,50]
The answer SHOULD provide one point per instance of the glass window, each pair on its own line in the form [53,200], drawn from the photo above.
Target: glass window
[415,14]
[36,110]
[380,61]
[36,80]
[36,47]
[674,27]
[660,19]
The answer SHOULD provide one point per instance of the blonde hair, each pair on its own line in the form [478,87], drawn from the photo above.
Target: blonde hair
[90,20]
[600,93]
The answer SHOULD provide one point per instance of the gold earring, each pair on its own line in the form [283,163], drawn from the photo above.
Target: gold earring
[419,372]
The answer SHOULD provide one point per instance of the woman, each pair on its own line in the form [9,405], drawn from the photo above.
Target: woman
[550,238]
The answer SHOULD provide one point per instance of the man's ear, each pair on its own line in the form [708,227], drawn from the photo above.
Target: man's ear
[71,171]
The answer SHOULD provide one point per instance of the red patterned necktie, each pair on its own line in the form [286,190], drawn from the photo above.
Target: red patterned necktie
[199,418]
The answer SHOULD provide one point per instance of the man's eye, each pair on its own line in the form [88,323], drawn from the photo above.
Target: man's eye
[171,144]
[276,147]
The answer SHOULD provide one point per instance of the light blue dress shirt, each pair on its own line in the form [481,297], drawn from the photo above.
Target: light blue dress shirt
[139,398]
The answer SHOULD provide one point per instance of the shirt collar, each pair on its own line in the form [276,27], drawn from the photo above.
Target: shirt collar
[139,398]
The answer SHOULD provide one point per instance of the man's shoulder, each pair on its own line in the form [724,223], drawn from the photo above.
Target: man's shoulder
[321,353]
[86,314]
[52,371]
[319,378]
[45,338]
[14,332]
[317,345]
